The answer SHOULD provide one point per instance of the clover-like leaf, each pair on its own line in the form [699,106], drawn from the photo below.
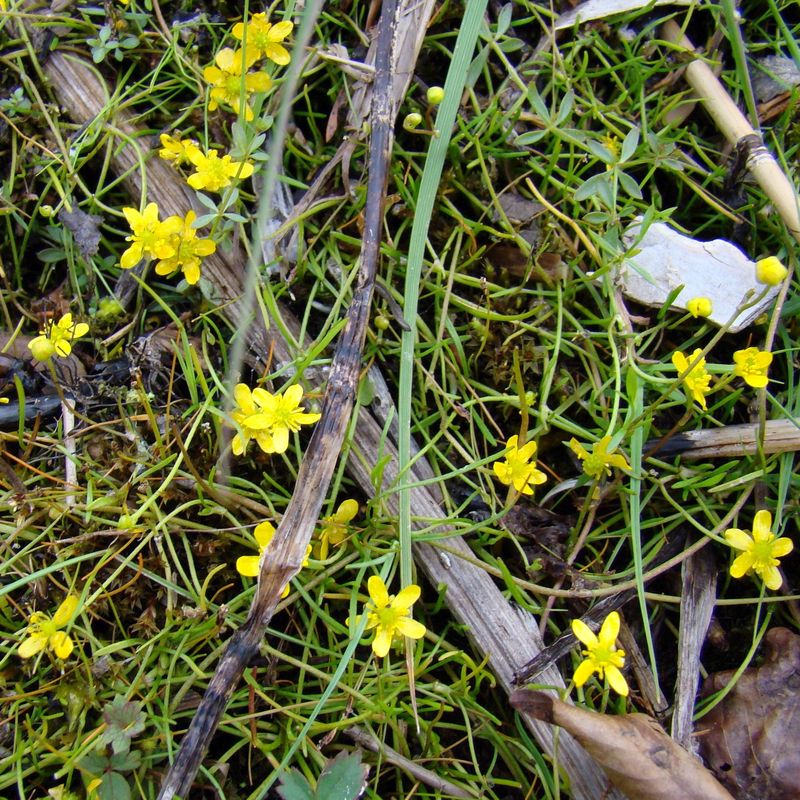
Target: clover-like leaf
[124,719]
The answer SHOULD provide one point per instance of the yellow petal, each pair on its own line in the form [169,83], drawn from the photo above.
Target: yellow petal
[32,645]
[583,633]
[610,629]
[782,547]
[346,511]
[584,671]
[617,680]
[772,578]
[377,591]
[280,30]
[248,566]
[65,611]
[411,628]
[61,644]
[382,642]
[407,597]
[243,398]
[738,539]
[741,565]
[762,525]
[263,533]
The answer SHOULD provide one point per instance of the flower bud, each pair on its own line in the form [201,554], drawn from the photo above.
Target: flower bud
[435,95]
[412,121]
[46,210]
[699,307]
[770,271]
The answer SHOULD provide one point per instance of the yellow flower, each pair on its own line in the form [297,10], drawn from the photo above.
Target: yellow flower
[760,552]
[57,338]
[43,632]
[334,528]
[268,418]
[231,84]
[700,307]
[391,615]
[601,654]
[264,38]
[177,150]
[599,461]
[752,365]
[150,239]
[697,380]
[770,271]
[284,414]
[251,419]
[189,250]
[516,470]
[214,173]
[249,565]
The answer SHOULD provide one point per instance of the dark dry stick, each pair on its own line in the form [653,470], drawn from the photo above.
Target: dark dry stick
[287,549]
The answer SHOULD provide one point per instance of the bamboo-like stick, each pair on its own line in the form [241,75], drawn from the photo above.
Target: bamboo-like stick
[732,441]
[735,127]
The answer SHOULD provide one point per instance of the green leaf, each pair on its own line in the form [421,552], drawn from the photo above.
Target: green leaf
[124,720]
[629,144]
[294,786]
[114,787]
[595,185]
[343,778]
[629,185]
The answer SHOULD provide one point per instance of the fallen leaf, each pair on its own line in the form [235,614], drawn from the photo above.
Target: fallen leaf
[638,757]
[749,740]
[84,228]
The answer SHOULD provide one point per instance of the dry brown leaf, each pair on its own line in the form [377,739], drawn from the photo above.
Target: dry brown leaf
[750,739]
[638,757]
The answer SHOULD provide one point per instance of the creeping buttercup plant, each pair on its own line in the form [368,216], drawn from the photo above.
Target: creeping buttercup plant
[545,413]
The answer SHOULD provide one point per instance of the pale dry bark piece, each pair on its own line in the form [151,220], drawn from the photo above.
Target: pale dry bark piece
[735,127]
[508,636]
[638,757]
[698,595]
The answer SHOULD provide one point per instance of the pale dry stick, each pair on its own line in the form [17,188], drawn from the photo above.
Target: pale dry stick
[507,635]
[370,742]
[699,592]
[736,129]
[285,553]
[732,441]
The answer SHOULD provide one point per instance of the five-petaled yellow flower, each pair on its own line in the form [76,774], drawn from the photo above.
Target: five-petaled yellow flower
[286,415]
[268,418]
[43,632]
[700,307]
[150,238]
[390,615]
[697,380]
[249,565]
[264,39]
[599,461]
[516,469]
[770,271]
[760,552]
[231,84]
[177,150]
[752,364]
[602,655]
[56,338]
[334,528]
[189,250]
[249,416]
[214,172]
